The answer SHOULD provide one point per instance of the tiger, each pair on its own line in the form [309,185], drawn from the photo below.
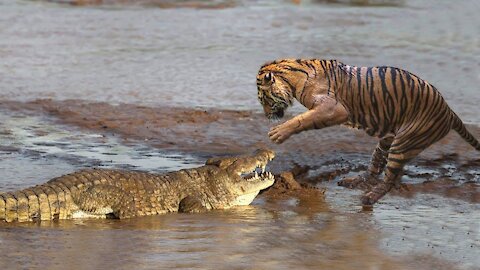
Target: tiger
[405,112]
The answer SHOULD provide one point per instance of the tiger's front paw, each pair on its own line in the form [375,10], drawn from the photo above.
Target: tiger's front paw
[280,133]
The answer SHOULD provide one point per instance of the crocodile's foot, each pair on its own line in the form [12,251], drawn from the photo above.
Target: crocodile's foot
[191,204]
[363,181]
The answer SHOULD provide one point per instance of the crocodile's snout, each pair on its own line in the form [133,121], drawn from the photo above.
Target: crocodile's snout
[265,153]
[258,160]
[253,175]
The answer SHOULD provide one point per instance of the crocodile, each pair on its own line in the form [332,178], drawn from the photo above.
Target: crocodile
[223,182]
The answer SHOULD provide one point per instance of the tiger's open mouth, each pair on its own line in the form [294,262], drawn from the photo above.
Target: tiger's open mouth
[275,115]
[279,113]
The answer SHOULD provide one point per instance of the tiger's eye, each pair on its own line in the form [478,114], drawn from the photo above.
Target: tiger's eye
[268,77]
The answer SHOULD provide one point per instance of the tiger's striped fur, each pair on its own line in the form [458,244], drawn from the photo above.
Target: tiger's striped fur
[407,113]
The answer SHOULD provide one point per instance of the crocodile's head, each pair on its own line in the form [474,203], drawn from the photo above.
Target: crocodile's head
[242,177]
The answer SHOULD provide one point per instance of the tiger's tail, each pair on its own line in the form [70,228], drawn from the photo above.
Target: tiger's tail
[460,128]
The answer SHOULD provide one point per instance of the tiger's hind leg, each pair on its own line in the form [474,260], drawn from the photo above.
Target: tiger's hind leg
[377,165]
[393,176]
[404,148]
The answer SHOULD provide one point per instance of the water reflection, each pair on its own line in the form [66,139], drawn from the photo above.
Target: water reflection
[276,236]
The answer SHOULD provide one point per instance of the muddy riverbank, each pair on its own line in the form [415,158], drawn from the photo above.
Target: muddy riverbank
[330,154]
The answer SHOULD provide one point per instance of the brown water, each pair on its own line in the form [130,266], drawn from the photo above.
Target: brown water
[148,53]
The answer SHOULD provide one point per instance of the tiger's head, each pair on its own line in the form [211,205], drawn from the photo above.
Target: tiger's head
[274,93]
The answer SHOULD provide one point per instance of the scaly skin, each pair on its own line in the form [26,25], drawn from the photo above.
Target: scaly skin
[102,193]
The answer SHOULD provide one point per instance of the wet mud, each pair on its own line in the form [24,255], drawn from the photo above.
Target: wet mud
[289,183]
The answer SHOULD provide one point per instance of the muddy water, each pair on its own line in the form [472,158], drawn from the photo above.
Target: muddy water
[141,56]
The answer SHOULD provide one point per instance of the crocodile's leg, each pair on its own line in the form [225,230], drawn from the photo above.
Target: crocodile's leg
[104,200]
[376,167]
[191,204]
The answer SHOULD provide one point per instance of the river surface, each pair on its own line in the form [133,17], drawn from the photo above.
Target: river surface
[155,54]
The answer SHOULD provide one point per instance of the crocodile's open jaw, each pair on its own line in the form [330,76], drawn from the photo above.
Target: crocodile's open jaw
[254,177]
[246,174]
[259,173]
[254,183]
[253,168]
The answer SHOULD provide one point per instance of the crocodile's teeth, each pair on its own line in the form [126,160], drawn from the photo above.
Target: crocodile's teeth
[256,175]
[263,168]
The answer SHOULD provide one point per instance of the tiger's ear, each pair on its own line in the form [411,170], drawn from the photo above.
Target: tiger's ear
[268,78]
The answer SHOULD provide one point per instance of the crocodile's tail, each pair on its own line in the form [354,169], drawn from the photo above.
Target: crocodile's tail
[10,210]
[460,128]
[37,203]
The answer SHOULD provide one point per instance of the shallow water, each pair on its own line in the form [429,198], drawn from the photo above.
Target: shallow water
[273,233]
[209,57]
[204,57]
